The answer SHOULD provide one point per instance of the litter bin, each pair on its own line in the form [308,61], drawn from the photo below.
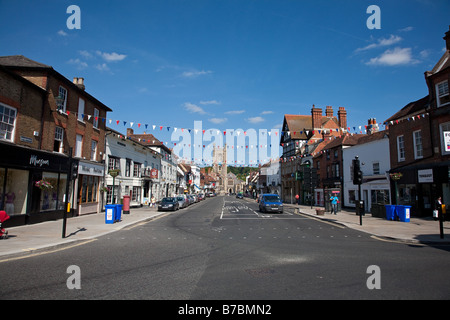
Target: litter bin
[390,212]
[118,216]
[404,213]
[110,213]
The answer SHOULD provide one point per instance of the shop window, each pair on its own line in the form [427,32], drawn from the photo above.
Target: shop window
[16,191]
[380,196]
[88,189]
[53,198]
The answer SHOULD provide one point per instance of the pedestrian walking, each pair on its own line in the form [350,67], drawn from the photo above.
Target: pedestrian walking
[153,202]
[334,202]
[437,208]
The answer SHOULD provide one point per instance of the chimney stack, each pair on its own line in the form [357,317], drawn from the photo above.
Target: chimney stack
[79,82]
[316,117]
[447,39]
[130,132]
[342,116]
[329,111]
[372,126]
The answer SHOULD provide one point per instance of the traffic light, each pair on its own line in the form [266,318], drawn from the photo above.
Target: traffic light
[357,173]
[74,170]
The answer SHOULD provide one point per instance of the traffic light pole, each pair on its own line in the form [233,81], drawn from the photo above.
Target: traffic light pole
[67,203]
[357,180]
[360,211]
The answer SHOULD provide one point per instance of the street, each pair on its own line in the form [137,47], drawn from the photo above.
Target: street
[223,248]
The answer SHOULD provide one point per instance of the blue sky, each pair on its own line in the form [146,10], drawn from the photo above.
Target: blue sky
[234,63]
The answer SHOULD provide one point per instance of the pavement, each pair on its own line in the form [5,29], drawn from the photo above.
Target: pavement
[33,239]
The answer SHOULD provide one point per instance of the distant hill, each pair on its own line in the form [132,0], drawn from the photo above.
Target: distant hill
[241,172]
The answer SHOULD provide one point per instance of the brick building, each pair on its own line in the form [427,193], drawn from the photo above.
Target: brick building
[419,136]
[47,116]
[299,138]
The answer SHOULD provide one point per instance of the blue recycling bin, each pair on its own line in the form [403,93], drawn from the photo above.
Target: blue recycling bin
[404,213]
[110,213]
[390,212]
[118,215]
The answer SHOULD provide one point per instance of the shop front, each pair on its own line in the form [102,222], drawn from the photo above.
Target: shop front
[420,185]
[32,184]
[90,177]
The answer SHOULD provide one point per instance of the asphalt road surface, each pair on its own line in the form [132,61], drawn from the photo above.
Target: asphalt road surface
[224,248]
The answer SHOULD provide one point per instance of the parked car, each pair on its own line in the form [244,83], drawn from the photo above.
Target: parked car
[169,203]
[270,203]
[183,202]
[191,199]
[239,196]
[201,196]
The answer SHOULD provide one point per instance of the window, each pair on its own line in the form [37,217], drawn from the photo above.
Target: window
[78,145]
[94,150]
[59,136]
[376,168]
[113,163]
[401,148]
[445,138]
[80,109]
[443,97]
[61,104]
[127,168]
[7,120]
[418,151]
[136,170]
[96,115]
[88,189]
[136,194]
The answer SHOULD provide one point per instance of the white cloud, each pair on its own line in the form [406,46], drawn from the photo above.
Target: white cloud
[194,74]
[209,102]
[407,29]
[193,108]
[80,64]
[266,112]
[102,67]
[382,42]
[218,120]
[255,119]
[111,57]
[62,33]
[235,112]
[395,57]
[86,54]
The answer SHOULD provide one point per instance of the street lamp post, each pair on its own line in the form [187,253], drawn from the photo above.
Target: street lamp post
[113,173]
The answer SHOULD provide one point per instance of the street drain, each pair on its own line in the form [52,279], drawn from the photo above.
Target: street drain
[260,272]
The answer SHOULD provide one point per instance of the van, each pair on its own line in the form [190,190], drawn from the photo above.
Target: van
[270,203]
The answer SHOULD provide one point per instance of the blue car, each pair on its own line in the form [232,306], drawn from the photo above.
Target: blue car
[270,203]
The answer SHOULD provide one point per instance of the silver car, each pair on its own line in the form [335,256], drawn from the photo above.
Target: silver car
[182,201]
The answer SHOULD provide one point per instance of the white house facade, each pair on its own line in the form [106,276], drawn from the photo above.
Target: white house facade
[373,153]
[139,168]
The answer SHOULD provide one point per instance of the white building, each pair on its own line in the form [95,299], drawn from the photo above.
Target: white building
[274,177]
[140,170]
[373,153]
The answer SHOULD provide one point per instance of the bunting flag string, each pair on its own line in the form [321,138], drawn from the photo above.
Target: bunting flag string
[361,129]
